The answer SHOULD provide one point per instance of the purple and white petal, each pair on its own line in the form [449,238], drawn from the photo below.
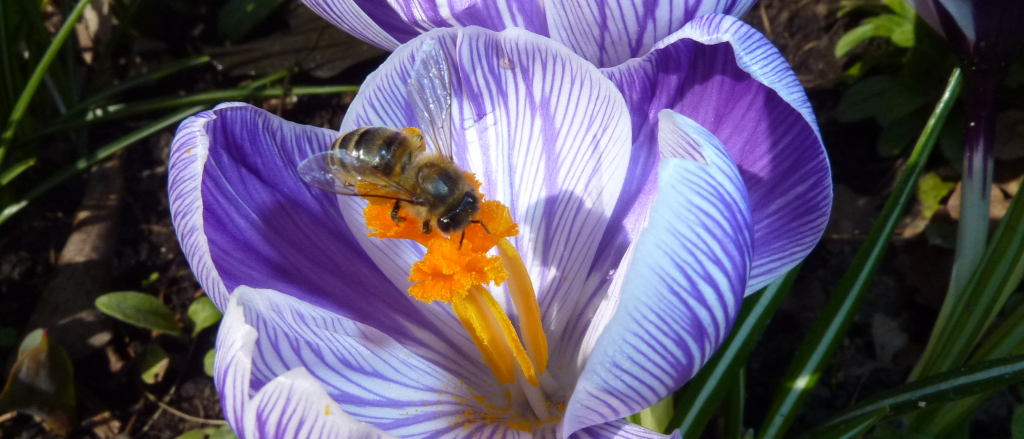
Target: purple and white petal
[245,217]
[961,12]
[608,33]
[683,290]
[622,429]
[365,373]
[728,78]
[294,405]
[545,133]
[371,21]
[496,15]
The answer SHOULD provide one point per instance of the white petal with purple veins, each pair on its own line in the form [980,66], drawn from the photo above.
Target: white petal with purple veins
[728,78]
[682,292]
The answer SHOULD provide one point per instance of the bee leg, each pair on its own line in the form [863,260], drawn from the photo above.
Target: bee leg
[394,212]
[426,227]
[463,238]
[481,223]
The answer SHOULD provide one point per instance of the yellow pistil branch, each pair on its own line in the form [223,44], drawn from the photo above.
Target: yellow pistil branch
[454,270]
[520,287]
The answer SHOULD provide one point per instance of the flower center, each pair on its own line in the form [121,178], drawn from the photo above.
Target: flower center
[456,269]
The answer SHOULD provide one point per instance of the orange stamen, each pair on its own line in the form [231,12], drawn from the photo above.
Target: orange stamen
[455,269]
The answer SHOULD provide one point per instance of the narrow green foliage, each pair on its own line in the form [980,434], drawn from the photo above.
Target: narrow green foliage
[829,330]
[936,389]
[37,77]
[655,417]
[734,406]
[703,394]
[118,111]
[997,276]
[139,309]
[1017,424]
[850,428]
[11,173]
[99,155]
[144,79]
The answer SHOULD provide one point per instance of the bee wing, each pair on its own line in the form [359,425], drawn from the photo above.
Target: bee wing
[338,171]
[430,92]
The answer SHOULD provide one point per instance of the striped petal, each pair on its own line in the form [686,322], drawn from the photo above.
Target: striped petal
[292,405]
[622,429]
[604,32]
[610,32]
[245,217]
[545,133]
[728,78]
[683,288]
[372,21]
[350,369]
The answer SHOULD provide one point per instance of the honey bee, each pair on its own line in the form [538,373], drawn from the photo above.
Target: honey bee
[384,162]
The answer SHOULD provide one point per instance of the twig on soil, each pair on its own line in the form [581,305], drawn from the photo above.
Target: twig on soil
[767,23]
[183,415]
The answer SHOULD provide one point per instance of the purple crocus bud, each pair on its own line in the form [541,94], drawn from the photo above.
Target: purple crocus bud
[985,35]
[650,198]
[604,32]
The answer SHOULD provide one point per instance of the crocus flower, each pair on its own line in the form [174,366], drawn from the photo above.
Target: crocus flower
[604,32]
[985,35]
[649,199]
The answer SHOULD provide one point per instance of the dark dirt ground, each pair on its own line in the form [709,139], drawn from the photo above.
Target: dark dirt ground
[902,304]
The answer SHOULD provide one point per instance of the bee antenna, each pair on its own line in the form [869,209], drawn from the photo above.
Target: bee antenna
[481,223]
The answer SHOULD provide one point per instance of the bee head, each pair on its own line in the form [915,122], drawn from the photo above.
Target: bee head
[459,218]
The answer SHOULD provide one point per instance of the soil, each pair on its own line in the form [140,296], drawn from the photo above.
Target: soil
[902,303]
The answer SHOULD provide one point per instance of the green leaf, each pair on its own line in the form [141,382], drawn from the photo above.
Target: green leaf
[238,17]
[208,360]
[703,394]
[936,389]
[863,99]
[203,314]
[931,189]
[209,433]
[901,7]
[1017,424]
[896,136]
[655,417]
[154,364]
[41,383]
[139,309]
[830,328]
[854,37]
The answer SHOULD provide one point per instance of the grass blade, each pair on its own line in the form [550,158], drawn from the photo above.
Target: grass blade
[118,111]
[96,157]
[997,276]
[161,72]
[37,77]
[14,171]
[851,428]
[936,389]
[734,406]
[705,392]
[817,350]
